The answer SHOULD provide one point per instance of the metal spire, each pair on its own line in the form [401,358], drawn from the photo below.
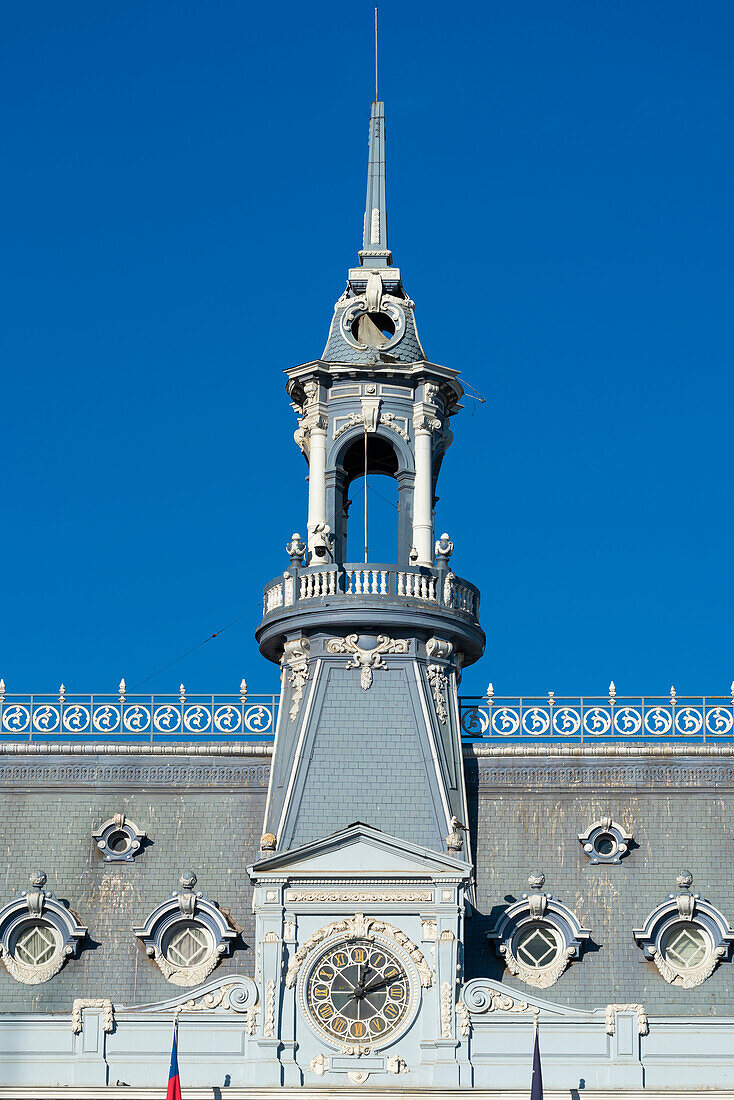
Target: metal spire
[375,252]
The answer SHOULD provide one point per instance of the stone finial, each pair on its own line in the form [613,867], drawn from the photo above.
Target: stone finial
[268,842]
[536,881]
[612,692]
[188,880]
[38,879]
[684,880]
[295,549]
[444,549]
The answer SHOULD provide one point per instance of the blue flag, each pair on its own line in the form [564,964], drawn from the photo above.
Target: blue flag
[536,1084]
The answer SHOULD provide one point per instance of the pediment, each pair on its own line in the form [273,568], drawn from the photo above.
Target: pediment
[361,850]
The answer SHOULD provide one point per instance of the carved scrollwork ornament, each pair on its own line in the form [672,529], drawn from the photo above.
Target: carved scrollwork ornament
[366,659]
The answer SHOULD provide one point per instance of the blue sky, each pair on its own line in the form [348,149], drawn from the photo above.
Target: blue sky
[182,196]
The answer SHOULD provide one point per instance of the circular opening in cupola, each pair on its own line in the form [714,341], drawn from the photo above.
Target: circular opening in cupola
[118,842]
[373,329]
[605,844]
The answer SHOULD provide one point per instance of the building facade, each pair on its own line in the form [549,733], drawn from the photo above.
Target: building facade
[368,883]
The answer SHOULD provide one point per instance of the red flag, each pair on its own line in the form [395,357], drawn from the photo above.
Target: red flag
[174,1081]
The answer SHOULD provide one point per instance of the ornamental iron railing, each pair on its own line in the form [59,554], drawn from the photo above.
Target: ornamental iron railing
[127,717]
[134,718]
[592,718]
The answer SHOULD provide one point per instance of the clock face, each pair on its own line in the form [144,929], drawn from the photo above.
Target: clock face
[358,991]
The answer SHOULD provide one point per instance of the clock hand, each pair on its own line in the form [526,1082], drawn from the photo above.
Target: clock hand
[378,983]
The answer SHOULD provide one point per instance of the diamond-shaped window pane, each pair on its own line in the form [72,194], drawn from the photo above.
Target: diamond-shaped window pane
[537,947]
[36,945]
[188,947]
[686,947]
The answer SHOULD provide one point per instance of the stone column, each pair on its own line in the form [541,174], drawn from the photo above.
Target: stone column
[316,478]
[423,492]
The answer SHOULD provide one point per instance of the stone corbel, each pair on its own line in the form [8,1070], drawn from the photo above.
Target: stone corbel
[366,659]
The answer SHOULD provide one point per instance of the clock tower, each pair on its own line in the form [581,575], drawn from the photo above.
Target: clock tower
[365,865]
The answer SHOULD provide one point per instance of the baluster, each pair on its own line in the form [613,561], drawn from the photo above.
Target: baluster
[358,581]
[400,591]
[432,589]
[374,582]
[332,584]
[383,582]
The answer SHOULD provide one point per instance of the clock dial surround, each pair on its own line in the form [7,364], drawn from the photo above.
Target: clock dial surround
[359,992]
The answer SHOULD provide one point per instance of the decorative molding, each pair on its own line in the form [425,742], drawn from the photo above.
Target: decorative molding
[271,937]
[181,908]
[541,912]
[396,1064]
[602,832]
[429,929]
[41,906]
[464,1020]
[239,996]
[296,656]
[319,1065]
[366,659]
[269,1015]
[359,927]
[480,998]
[80,1003]
[439,682]
[188,776]
[642,1024]
[359,896]
[446,1006]
[677,913]
[115,827]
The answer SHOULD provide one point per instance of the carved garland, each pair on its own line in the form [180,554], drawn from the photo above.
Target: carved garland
[359,927]
[446,1000]
[439,682]
[295,656]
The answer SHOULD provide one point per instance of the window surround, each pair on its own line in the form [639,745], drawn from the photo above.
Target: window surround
[40,910]
[660,936]
[186,910]
[551,920]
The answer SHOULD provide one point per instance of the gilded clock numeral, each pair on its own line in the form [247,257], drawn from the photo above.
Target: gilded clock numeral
[325,973]
[396,992]
[378,960]
[377,1025]
[359,955]
[339,1025]
[359,1029]
[325,1011]
[391,1011]
[339,958]
[392,972]
[320,991]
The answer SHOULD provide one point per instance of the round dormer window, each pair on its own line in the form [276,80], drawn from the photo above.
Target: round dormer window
[686,946]
[538,946]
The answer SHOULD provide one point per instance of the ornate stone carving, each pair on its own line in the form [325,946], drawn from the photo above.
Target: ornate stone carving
[269,1015]
[605,841]
[319,1065]
[57,923]
[396,1064]
[119,839]
[268,842]
[464,1020]
[296,655]
[480,997]
[296,548]
[642,1025]
[686,937]
[446,1006]
[536,915]
[366,659]
[429,929]
[80,1003]
[439,682]
[359,896]
[239,996]
[444,548]
[359,927]
[184,907]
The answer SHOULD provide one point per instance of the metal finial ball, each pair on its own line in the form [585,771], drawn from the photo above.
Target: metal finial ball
[188,880]
[684,880]
[38,878]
